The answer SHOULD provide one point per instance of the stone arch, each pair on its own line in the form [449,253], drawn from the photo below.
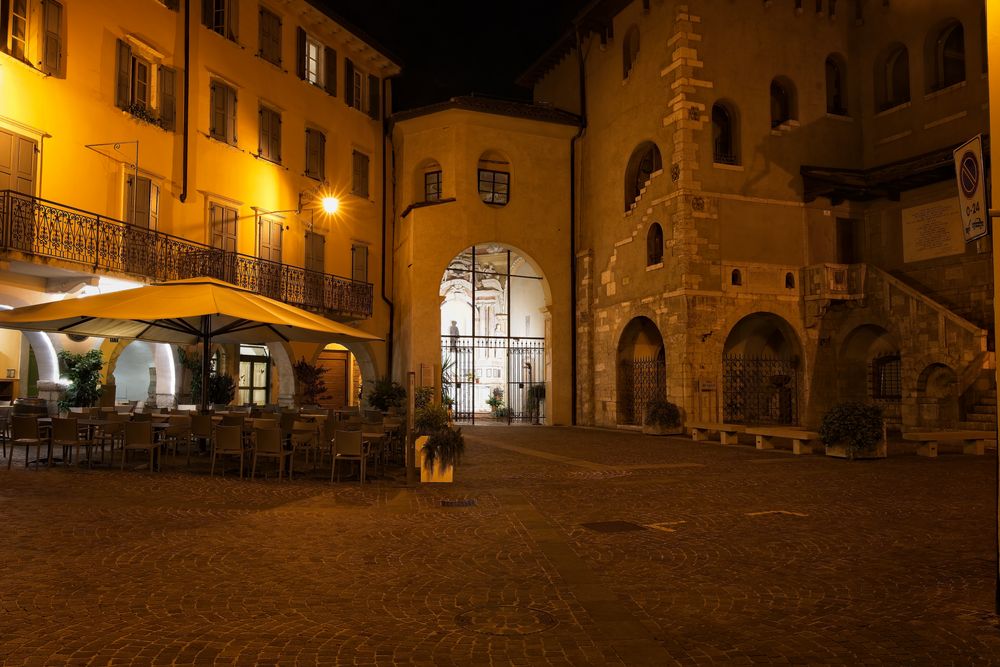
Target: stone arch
[494,177]
[642,369]
[937,397]
[870,370]
[761,369]
[642,164]
[281,361]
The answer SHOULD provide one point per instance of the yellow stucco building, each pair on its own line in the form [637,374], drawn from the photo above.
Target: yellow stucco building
[147,141]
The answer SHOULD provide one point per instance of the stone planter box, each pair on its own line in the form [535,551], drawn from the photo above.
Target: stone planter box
[840,452]
[653,429]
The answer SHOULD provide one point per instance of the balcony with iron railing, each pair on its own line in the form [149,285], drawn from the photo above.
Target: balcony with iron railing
[36,230]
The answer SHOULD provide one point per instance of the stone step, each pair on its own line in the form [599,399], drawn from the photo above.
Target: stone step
[976,417]
[976,426]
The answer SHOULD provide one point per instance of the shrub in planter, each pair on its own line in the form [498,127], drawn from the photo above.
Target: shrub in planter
[386,394]
[221,389]
[422,397]
[857,427]
[444,449]
[662,416]
[84,373]
[430,419]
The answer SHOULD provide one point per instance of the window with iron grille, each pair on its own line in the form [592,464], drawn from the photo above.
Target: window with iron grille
[432,185]
[494,186]
[887,377]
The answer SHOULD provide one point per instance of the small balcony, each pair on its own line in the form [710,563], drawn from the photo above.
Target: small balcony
[37,230]
[843,282]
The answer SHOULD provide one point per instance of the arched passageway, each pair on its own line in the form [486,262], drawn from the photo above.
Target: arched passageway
[760,371]
[493,332]
[642,369]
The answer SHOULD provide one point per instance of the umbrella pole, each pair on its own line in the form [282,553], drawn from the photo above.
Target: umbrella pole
[206,344]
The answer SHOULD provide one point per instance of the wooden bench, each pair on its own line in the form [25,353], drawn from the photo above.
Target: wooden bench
[728,433]
[974,442]
[801,439]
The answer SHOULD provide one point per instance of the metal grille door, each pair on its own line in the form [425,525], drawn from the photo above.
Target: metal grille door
[642,380]
[759,390]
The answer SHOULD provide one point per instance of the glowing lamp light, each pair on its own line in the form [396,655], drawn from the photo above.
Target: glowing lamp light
[330,205]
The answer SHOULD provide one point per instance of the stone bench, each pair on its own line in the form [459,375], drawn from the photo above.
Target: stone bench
[974,442]
[728,433]
[801,439]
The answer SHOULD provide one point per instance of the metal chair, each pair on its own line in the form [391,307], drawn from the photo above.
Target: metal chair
[228,442]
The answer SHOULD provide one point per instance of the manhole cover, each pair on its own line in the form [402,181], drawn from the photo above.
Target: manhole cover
[598,474]
[506,620]
[612,526]
[462,502]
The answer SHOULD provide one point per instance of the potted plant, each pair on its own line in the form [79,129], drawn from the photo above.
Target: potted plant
[221,389]
[495,401]
[662,418]
[854,430]
[385,394]
[310,380]
[83,372]
[438,446]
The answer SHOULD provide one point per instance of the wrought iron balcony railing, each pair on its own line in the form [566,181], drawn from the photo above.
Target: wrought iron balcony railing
[39,228]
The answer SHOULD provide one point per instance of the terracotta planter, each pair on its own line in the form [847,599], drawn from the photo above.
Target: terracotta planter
[839,451]
[439,473]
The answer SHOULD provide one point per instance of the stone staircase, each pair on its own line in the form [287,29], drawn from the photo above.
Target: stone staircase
[982,415]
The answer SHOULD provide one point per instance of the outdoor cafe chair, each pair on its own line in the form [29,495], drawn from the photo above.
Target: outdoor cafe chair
[66,434]
[142,417]
[228,442]
[305,437]
[112,433]
[349,446]
[5,412]
[265,423]
[178,432]
[24,433]
[139,437]
[201,431]
[267,444]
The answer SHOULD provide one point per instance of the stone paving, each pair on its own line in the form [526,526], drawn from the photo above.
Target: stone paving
[583,547]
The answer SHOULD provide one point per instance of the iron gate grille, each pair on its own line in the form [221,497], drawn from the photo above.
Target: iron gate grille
[471,366]
[759,390]
[642,380]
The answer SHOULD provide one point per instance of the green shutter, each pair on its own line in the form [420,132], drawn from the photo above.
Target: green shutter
[373,97]
[52,43]
[300,53]
[123,78]
[230,115]
[330,68]
[168,98]
[348,82]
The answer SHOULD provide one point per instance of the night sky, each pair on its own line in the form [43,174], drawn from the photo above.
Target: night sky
[459,47]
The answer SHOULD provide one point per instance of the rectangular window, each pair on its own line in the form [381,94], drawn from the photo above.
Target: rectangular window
[222,124]
[222,226]
[270,37]
[360,174]
[19,29]
[494,186]
[887,377]
[270,134]
[314,62]
[145,89]
[315,154]
[142,207]
[359,263]
[432,186]
[221,16]
[140,82]
[269,246]
[357,101]
[315,252]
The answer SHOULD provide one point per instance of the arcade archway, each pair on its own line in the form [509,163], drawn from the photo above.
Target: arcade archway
[760,371]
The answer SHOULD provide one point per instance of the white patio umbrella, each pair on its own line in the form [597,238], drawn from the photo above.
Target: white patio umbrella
[194,310]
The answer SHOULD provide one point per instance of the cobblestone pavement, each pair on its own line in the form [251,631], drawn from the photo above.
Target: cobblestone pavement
[583,547]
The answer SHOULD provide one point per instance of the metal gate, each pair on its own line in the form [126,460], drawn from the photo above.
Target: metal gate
[640,380]
[473,366]
[759,390]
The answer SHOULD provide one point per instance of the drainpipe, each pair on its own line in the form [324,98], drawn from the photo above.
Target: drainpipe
[187,94]
[572,222]
[386,126]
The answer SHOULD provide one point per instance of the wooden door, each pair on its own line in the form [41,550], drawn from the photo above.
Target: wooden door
[336,363]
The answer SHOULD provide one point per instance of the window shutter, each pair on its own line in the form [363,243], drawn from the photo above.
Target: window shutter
[262,129]
[348,82]
[52,37]
[330,67]
[231,115]
[300,53]
[168,97]
[4,23]
[206,13]
[276,136]
[139,199]
[217,126]
[359,270]
[321,172]
[373,97]
[232,19]
[154,205]
[124,75]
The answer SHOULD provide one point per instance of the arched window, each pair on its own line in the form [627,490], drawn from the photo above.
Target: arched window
[725,139]
[630,50]
[836,86]
[790,280]
[644,162]
[782,101]
[494,178]
[736,278]
[654,244]
[947,50]
[893,80]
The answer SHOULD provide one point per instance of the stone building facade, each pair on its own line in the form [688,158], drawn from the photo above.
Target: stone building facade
[767,220]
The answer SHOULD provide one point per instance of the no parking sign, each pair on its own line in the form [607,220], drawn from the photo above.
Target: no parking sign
[971,190]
